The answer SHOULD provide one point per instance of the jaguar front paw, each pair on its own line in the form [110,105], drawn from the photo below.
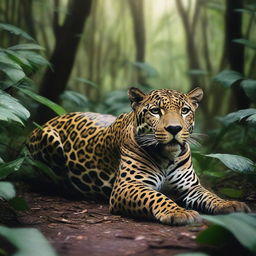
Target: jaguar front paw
[231,206]
[180,217]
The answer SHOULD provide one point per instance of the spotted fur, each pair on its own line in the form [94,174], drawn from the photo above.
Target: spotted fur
[137,160]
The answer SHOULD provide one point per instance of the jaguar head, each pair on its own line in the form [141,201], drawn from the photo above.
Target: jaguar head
[164,117]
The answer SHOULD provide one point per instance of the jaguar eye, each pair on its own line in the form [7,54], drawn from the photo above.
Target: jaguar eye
[185,110]
[155,111]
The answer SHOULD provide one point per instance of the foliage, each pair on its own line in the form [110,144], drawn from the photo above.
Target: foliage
[7,190]
[227,229]
[17,64]
[24,242]
[234,162]
[11,109]
[107,59]
[236,135]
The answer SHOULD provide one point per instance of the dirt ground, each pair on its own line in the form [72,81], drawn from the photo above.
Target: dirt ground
[79,228]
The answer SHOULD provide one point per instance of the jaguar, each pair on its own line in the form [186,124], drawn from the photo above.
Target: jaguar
[140,161]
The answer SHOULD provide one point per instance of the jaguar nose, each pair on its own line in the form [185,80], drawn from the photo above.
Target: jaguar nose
[173,129]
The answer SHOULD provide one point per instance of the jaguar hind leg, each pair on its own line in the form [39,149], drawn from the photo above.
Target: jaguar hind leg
[45,145]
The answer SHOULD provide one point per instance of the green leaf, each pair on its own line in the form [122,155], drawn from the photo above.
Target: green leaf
[35,58]
[7,190]
[86,81]
[231,192]
[245,42]
[27,241]
[19,204]
[11,109]
[251,119]
[235,162]
[11,68]
[227,78]
[10,167]
[75,98]
[55,107]
[45,169]
[26,47]
[241,225]
[20,60]
[215,235]
[148,69]
[237,116]
[249,87]
[16,31]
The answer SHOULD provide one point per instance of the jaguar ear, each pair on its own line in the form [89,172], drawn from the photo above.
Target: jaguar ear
[135,96]
[196,95]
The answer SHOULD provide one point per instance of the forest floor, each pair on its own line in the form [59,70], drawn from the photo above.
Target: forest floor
[79,228]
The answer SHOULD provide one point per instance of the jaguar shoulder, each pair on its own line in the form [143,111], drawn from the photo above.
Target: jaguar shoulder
[129,159]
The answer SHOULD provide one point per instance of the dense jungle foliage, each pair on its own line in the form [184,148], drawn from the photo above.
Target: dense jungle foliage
[61,56]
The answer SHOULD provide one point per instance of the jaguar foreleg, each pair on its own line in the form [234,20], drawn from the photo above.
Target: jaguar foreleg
[132,195]
[193,195]
[201,199]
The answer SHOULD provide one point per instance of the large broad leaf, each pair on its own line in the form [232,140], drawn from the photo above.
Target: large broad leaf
[55,107]
[241,225]
[235,162]
[251,119]
[149,70]
[26,47]
[237,116]
[215,235]
[7,190]
[11,109]
[20,60]
[45,169]
[227,78]
[35,58]
[10,167]
[27,241]
[17,31]
[8,66]
[75,98]
[249,86]
[245,42]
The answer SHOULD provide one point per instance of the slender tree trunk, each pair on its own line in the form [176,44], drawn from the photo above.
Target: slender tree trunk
[206,52]
[28,17]
[137,11]
[63,57]
[190,28]
[235,51]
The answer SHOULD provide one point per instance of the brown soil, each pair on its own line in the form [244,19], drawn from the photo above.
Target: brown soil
[79,228]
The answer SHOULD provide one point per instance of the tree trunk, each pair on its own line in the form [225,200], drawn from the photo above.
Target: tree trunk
[29,17]
[63,57]
[234,51]
[190,28]
[137,11]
